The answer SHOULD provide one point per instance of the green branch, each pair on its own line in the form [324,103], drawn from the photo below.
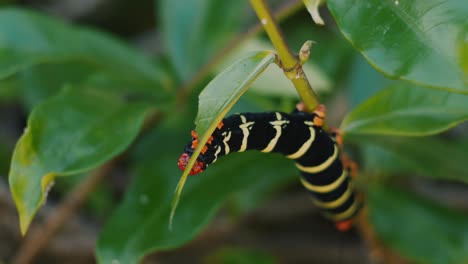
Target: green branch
[290,64]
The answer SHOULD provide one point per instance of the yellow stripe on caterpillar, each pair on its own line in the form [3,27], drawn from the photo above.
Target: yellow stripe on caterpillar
[277,125]
[325,188]
[335,203]
[303,149]
[344,215]
[321,167]
[245,127]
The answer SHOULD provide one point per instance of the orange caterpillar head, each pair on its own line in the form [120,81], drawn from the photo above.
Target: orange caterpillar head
[184,159]
[199,166]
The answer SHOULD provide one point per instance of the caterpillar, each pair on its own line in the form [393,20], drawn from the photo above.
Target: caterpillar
[298,136]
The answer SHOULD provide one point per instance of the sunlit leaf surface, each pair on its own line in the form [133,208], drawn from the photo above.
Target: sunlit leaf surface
[419,40]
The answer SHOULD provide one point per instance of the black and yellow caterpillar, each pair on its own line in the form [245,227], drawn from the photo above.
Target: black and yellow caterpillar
[298,136]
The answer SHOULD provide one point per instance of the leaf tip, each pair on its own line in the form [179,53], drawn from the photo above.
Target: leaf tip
[25,221]
[174,204]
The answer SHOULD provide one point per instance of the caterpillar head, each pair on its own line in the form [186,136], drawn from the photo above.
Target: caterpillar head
[199,165]
[183,161]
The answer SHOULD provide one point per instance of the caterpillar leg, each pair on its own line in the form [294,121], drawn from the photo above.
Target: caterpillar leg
[352,167]
[348,163]
[345,225]
[320,113]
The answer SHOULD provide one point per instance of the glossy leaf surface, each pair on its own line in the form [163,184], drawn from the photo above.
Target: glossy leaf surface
[70,133]
[430,157]
[404,109]
[37,83]
[421,40]
[28,38]
[364,81]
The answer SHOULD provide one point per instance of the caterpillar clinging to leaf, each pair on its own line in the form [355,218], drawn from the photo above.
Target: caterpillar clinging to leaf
[298,136]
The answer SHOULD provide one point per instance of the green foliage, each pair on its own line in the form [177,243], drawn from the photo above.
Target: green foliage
[89,94]
[427,232]
[194,30]
[432,157]
[407,110]
[70,133]
[420,41]
[28,38]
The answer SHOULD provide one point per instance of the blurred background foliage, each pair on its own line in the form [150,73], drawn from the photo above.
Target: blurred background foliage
[85,86]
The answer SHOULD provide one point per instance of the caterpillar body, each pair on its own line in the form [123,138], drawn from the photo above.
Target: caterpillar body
[298,136]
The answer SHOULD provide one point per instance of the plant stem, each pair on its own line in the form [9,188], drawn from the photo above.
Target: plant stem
[288,61]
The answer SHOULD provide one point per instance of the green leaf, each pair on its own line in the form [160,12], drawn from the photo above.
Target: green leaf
[28,38]
[378,161]
[421,40]
[427,156]
[224,90]
[363,81]
[37,83]
[272,81]
[195,30]
[70,133]
[216,100]
[404,109]
[139,226]
[418,229]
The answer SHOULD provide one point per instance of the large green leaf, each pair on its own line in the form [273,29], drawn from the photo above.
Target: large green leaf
[218,97]
[39,82]
[195,30]
[431,157]
[28,38]
[418,229]
[140,224]
[404,109]
[363,81]
[421,40]
[68,134]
